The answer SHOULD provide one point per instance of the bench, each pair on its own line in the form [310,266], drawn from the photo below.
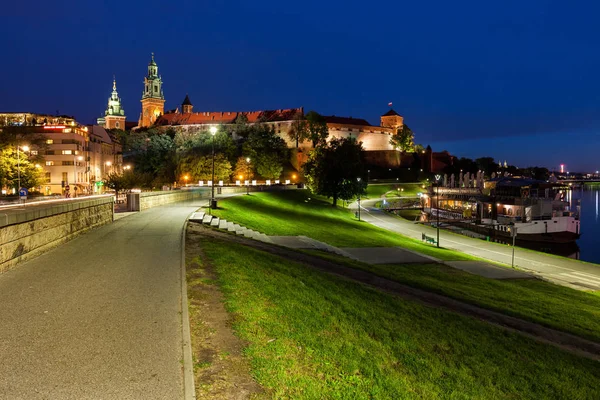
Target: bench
[428,239]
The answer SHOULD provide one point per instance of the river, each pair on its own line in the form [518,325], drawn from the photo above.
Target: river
[589,242]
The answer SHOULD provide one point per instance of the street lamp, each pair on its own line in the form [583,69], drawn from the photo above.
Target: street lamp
[185,178]
[75,159]
[248,175]
[127,167]
[213,132]
[108,163]
[358,180]
[437,201]
[25,148]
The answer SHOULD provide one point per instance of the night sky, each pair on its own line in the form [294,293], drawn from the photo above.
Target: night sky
[514,80]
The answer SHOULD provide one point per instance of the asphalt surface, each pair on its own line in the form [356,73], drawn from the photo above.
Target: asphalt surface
[98,317]
[561,270]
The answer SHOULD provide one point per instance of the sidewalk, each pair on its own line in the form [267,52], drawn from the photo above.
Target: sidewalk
[563,271]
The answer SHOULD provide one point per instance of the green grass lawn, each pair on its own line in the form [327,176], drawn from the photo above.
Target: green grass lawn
[296,212]
[409,190]
[555,306]
[314,336]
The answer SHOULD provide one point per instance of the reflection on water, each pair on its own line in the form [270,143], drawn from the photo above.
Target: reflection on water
[590,225]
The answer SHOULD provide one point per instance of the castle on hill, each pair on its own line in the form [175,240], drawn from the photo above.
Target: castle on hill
[375,138]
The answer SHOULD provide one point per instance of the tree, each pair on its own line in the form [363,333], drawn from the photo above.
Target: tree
[243,169]
[299,130]
[487,165]
[267,151]
[11,166]
[152,152]
[316,129]
[332,170]
[403,139]
[121,181]
[200,168]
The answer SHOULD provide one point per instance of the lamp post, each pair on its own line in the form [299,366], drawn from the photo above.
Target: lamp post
[185,178]
[213,132]
[358,180]
[513,233]
[25,148]
[248,175]
[437,204]
[108,163]
[75,159]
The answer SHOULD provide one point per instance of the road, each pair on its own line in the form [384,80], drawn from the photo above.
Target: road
[98,317]
[562,270]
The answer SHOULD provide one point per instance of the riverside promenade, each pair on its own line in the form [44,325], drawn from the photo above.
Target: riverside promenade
[561,270]
[99,317]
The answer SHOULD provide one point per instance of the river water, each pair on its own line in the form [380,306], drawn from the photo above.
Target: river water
[589,242]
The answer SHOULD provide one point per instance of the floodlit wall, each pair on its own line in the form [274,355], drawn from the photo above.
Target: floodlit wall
[36,228]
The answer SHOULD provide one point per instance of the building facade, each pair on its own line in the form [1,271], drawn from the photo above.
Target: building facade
[114,116]
[71,154]
[153,98]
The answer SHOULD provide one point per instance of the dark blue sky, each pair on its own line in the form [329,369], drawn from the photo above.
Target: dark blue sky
[514,80]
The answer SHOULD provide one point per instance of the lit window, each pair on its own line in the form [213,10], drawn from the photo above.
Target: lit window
[50,163]
[34,152]
[49,141]
[67,151]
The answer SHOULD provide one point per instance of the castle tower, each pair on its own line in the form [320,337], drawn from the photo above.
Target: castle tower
[392,119]
[114,116]
[187,106]
[153,99]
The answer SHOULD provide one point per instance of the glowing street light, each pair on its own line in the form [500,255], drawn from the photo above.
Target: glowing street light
[213,203]
[185,178]
[437,201]
[107,164]
[24,148]
[248,175]
[358,180]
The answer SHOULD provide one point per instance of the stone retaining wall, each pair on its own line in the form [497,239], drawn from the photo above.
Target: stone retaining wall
[26,233]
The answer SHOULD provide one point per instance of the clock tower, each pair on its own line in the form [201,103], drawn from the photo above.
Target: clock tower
[153,99]
[114,116]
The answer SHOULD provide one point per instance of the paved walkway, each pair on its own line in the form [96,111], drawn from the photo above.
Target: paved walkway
[98,317]
[564,271]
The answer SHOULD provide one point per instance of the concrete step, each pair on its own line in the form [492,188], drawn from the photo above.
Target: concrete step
[250,233]
[223,224]
[207,219]
[241,230]
[215,222]
[263,238]
[197,217]
[230,226]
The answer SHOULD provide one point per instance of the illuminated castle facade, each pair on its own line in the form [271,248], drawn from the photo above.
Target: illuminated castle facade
[375,138]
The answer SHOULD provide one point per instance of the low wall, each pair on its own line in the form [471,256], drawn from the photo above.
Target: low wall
[154,199]
[145,200]
[30,230]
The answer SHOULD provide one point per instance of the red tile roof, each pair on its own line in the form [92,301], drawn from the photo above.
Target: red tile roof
[198,118]
[346,120]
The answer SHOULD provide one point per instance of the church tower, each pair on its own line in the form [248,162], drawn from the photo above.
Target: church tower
[153,99]
[114,116]
[187,106]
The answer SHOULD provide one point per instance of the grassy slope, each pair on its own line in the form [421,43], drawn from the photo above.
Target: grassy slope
[378,190]
[296,212]
[555,306]
[286,213]
[311,335]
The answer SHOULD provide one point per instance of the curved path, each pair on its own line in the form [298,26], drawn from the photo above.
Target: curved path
[100,316]
[561,270]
